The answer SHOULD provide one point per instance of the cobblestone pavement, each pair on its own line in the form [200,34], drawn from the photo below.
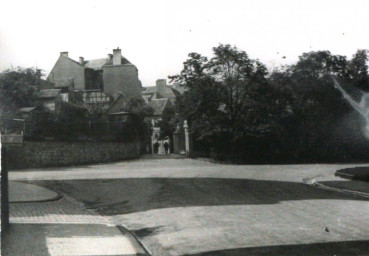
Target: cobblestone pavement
[64,228]
[64,210]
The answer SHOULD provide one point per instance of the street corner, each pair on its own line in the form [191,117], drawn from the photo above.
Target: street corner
[338,183]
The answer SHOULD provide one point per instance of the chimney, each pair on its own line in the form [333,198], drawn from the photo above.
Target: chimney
[81,60]
[117,57]
[161,83]
[110,56]
[65,54]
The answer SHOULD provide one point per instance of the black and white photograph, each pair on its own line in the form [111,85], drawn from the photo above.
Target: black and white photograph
[184,127]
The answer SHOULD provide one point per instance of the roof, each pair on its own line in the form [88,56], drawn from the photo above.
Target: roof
[75,107]
[162,92]
[180,89]
[158,105]
[118,105]
[98,64]
[124,61]
[26,110]
[48,93]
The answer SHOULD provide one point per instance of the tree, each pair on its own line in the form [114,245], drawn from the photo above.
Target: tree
[228,97]
[136,127]
[314,102]
[358,69]
[168,123]
[242,80]
[233,103]
[17,89]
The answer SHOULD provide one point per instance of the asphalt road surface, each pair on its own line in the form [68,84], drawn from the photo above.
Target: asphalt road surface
[190,207]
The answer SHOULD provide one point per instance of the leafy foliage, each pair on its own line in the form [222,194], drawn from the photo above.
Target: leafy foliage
[240,111]
[358,69]
[224,93]
[168,123]
[17,88]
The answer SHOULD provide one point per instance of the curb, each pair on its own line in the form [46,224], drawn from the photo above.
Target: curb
[342,174]
[312,182]
[126,230]
[54,199]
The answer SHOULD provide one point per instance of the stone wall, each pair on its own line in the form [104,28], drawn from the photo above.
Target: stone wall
[52,154]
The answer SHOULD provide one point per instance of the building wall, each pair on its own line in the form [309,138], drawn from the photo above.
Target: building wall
[122,78]
[93,79]
[66,68]
[52,154]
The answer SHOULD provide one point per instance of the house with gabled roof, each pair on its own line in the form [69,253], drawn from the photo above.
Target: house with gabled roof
[112,75]
[160,91]
[160,98]
[159,105]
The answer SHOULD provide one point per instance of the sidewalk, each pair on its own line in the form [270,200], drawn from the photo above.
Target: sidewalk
[45,223]
[22,192]
[339,184]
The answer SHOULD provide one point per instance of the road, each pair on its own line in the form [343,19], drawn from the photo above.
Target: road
[192,207]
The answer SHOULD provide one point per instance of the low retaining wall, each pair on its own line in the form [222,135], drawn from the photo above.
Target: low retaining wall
[52,154]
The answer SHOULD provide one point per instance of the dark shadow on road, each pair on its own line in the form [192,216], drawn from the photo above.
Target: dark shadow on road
[123,196]
[346,248]
[141,233]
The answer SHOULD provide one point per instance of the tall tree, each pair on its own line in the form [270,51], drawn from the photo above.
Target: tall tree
[228,97]
[314,102]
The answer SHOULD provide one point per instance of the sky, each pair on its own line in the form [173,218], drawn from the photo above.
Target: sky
[157,36]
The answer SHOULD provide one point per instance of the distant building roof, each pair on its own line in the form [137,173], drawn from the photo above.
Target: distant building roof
[98,64]
[162,92]
[179,88]
[159,105]
[48,93]
[118,106]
